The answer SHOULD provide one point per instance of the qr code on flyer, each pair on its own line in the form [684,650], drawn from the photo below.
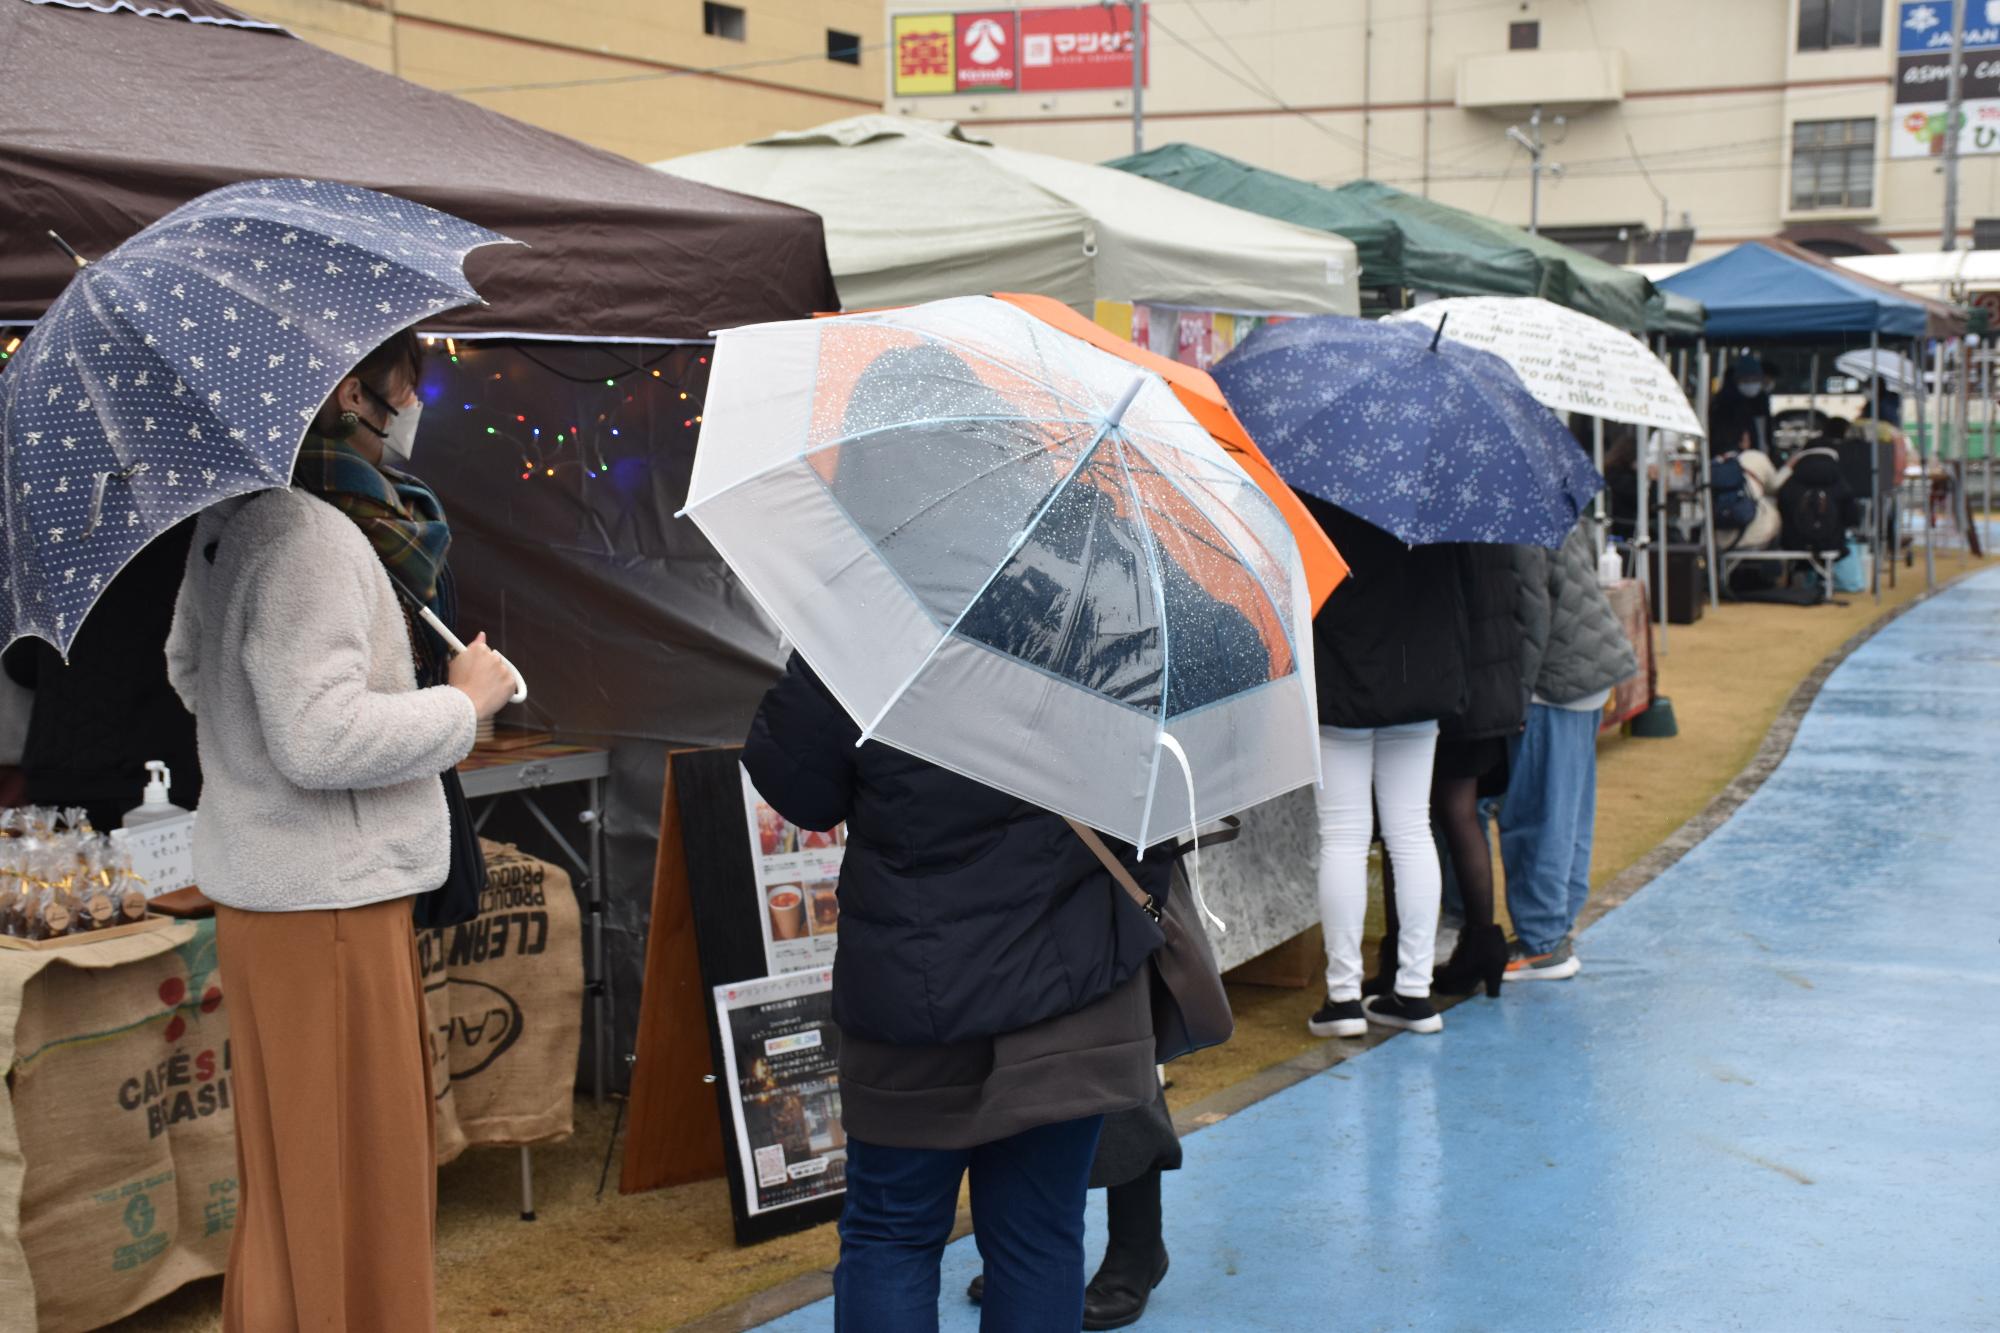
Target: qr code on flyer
[771,1165]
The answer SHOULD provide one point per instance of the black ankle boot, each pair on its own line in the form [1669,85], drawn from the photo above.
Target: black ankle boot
[1479,959]
[1135,1260]
[1384,979]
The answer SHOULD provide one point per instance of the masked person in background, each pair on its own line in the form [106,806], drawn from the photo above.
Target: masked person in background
[1739,415]
[322,816]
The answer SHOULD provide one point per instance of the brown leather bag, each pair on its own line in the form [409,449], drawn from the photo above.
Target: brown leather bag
[1190,1007]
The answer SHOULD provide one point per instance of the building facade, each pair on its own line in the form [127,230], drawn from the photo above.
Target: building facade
[646,78]
[1667,128]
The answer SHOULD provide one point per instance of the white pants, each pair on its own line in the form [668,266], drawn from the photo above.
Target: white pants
[1395,763]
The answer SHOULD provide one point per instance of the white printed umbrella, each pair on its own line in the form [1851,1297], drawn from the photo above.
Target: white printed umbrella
[1570,361]
[1015,555]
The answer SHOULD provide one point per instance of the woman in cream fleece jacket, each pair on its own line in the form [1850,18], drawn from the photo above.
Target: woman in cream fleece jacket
[322,815]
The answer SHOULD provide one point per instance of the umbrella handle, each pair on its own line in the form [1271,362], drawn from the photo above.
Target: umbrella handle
[457,646]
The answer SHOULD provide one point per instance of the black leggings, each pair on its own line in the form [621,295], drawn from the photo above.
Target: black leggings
[1455,814]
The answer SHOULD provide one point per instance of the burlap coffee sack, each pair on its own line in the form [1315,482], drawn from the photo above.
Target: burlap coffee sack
[505,992]
[117,1145]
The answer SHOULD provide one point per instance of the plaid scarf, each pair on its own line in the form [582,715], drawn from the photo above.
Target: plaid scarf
[399,515]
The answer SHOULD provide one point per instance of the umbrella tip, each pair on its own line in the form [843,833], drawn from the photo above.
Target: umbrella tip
[68,249]
[1438,332]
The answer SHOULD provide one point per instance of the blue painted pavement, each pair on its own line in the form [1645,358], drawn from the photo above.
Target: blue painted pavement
[1771,1101]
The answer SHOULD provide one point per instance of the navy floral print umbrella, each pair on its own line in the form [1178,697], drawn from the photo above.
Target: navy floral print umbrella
[1427,439]
[184,368]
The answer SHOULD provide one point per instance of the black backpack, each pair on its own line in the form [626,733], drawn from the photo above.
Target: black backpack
[1812,518]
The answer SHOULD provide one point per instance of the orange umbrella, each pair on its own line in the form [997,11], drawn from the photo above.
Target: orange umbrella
[1199,394]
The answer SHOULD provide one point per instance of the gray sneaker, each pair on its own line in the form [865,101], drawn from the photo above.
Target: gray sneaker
[1558,964]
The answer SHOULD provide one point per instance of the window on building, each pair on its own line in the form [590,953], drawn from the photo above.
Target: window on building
[843,46]
[722,20]
[1828,25]
[1833,164]
[1986,233]
[1523,36]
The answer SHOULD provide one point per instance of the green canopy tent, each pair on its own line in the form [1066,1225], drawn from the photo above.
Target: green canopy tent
[1678,317]
[1408,242]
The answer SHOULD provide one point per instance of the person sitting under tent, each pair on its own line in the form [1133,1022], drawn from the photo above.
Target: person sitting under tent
[1816,506]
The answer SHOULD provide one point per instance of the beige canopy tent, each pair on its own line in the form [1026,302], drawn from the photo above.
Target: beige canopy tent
[916,210]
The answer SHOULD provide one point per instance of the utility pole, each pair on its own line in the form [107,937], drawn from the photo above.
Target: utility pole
[1953,109]
[1139,76]
[1531,140]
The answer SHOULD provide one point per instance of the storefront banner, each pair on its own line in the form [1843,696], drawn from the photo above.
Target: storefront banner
[920,51]
[1918,129]
[781,1057]
[1079,47]
[798,880]
[1071,48]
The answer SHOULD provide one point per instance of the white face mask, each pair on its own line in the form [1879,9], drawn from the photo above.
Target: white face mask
[1750,388]
[399,442]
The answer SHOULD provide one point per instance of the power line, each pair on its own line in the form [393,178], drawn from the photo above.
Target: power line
[652,75]
[1279,102]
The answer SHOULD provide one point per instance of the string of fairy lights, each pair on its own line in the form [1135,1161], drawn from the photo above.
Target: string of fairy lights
[548,445]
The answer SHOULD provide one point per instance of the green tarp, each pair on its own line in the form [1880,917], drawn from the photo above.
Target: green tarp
[1410,242]
[1675,315]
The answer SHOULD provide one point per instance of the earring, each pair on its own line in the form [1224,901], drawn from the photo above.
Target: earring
[347,422]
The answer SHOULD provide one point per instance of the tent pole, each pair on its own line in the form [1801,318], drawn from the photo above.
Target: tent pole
[1597,506]
[1875,514]
[1927,418]
[1812,398]
[1963,453]
[1672,444]
[1986,383]
[1707,479]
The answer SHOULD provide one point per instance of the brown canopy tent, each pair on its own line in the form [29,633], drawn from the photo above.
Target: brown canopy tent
[116,112]
[563,454]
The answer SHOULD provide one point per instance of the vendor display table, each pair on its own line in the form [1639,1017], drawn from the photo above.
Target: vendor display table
[117,1136]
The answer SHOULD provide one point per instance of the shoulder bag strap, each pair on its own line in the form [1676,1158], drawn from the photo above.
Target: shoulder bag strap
[1116,867]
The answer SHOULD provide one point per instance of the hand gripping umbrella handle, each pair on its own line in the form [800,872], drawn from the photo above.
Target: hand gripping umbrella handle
[457,646]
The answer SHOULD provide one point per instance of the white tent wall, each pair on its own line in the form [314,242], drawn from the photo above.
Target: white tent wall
[918,210]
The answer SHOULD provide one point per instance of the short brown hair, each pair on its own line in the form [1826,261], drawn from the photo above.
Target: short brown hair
[400,351]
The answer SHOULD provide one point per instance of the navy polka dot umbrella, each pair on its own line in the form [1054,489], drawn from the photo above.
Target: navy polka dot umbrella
[184,367]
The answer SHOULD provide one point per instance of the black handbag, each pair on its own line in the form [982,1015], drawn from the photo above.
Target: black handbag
[1190,1006]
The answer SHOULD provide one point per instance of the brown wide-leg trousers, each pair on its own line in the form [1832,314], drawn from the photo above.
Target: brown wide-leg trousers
[336,1148]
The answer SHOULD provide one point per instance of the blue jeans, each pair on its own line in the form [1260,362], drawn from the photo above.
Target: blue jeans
[1027,1217]
[1546,823]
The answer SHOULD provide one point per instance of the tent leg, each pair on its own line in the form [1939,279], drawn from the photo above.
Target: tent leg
[1707,488]
[1929,419]
[1962,453]
[1597,504]
[1876,518]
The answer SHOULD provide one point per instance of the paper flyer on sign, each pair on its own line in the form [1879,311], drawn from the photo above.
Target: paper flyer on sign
[781,1057]
[798,874]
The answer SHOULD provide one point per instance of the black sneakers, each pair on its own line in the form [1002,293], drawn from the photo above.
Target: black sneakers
[1338,1019]
[1412,1013]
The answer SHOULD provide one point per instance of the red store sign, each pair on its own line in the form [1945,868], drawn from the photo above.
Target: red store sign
[1079,47]
[988,51]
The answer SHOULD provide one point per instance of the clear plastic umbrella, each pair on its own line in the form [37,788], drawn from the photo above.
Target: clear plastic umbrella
[1008,552]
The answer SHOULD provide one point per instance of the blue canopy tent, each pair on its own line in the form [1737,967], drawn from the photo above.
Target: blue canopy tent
[1774,292]
[1759,293]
